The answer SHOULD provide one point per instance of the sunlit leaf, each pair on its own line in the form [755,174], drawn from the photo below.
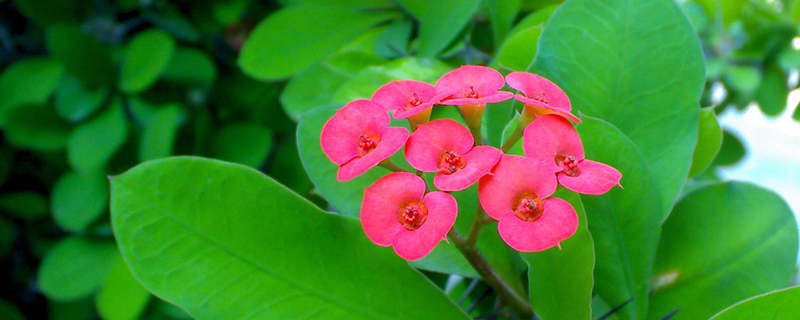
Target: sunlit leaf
[780,304]
[709,142]
[75,268]
[442,22]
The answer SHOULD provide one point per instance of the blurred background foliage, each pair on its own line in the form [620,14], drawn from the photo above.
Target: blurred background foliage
[90,88]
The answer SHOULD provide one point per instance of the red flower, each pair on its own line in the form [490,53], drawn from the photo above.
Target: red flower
[397,212]
[446,147]
[553,139]
[540,96]
[516,196]
[358,138]
[408,98]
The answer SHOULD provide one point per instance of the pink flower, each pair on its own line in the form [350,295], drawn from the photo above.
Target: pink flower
[446,147]
[397,212]
[358,138]
[516,196]
[553,139]
[473,85]
[540,96]
[408,98]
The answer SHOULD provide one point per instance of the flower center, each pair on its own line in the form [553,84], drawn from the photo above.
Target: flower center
[413,215]
[529,208]
[540,98]
[366,144]
[416,101]
[471,94]
[569,165]
[451,162]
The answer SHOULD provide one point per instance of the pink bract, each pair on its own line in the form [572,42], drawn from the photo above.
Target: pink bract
[397,212]
[542,96]
[407,97]
[553,139]
[473,85]
[446,147]
[516,195]
[358,138]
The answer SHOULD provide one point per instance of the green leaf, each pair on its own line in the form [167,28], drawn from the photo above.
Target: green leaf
[36,127]
[82,55]
[297,98]
[29,81]
[121,297]
[9,312]
[779,304]
[145,58]
[78,200]
[159,134]
[416,8]
[726,10]
[25,205]
[713,253]
[519,49]
[245,143]
[709,142]
[773,93]
[192,68]
[360,4]
[93,143]
[560,279]
[235,207]
[75,268]
[294,38]
[744,79]
[175,23]
[394,41]
[286,168]
[789,59]
[732,150]
[48,12]
[442,22]
[366,82]
[641,70]
[624,223]
[501,16]
[74,102]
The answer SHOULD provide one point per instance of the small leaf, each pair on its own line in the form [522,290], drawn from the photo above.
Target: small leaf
[520,49]
[502,14]
[29,81]
[25,205]
[83,56]
[442,22]
[709,142]
[393,42]
[235,207]
[75,268]
[192,68]
[712,252]
[732,150]
[121,297]
[773,93]
[74,102]
[93,143]
[744,79]
[292,39]
[311,88]
[416,8]
[364,84]
[780,304]
[245,143]
[36,127]
[145,58]
[78,199]
[48,12]
[159,134]
[9,312]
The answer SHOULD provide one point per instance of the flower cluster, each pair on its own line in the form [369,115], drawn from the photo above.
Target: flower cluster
[399,211]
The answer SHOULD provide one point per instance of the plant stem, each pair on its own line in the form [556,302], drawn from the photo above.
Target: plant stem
[475,229]
[392,166]
[513,138]
[504,291]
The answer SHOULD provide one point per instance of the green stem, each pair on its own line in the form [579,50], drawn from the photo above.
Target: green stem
[476,133]
[475,229]
[513,138]
[504,291]
[392,166]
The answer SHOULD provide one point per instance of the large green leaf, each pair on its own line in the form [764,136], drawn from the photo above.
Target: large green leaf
[29,81]
[501,15]
[637,65]
[82,55]
[708,143]
[713,253]
[93,143]
[312,265]
[624,223]
[75,268]
[442,22]
[560,278]
[780,304]
[78,199]
[147,56]
[519,49]
[121,297]
[294,38]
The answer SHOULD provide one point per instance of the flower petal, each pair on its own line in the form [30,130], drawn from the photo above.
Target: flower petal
[538,109]
[442,213]
[392,139]
[559,221]
[396,95]
[382,202]
[495,98]
[536,86]
[550,136]
[482,80]
[428,143]
[480,161]
[594,178]
[513,176]
[340,135]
